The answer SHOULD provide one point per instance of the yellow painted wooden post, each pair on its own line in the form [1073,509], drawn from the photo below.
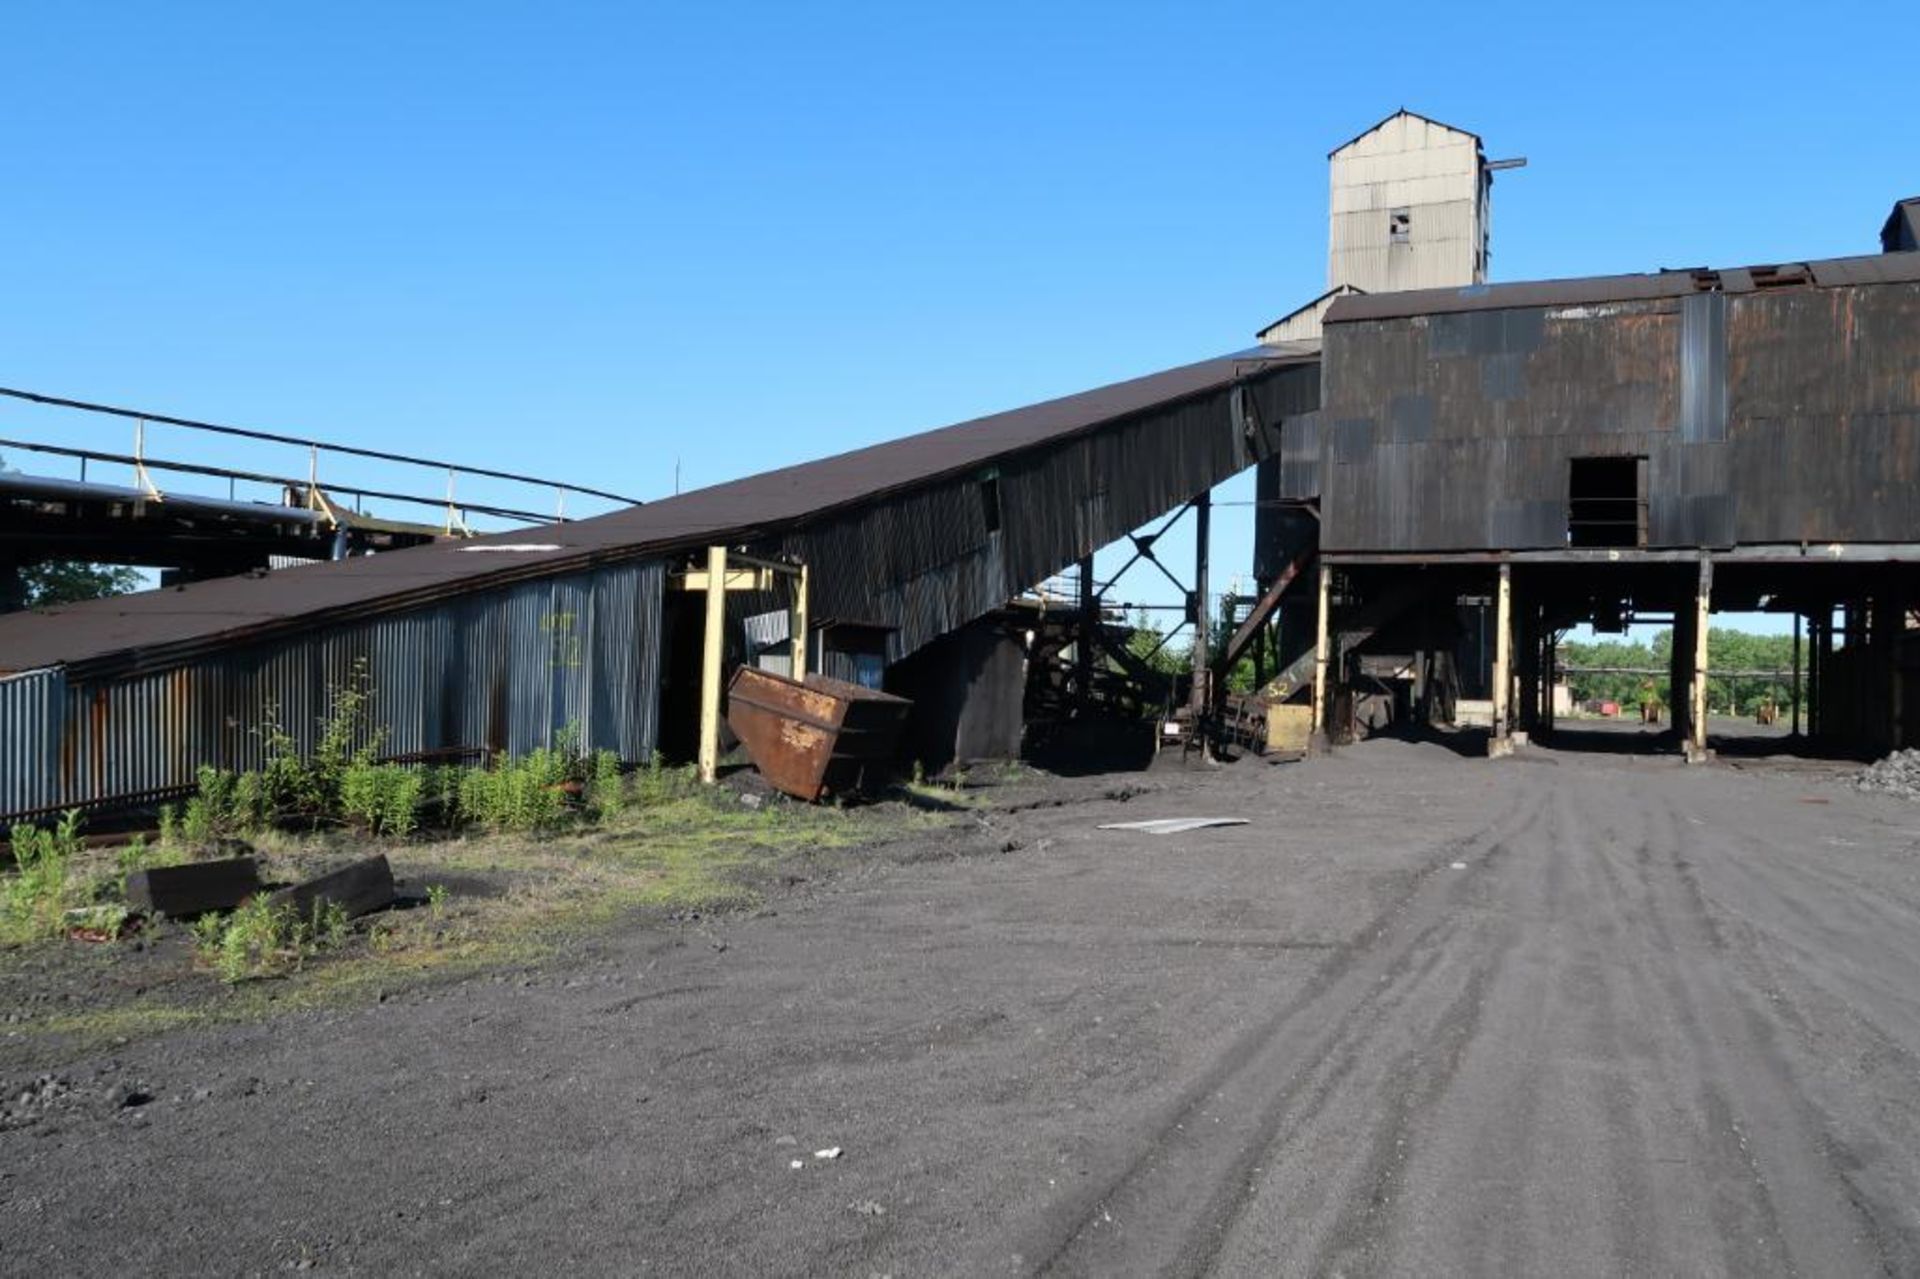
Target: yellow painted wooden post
[1321,655]
[711,664]
[798,644]
[1502,661]
[1702,602]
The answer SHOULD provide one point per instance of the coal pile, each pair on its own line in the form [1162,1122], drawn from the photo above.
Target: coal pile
[1897,774]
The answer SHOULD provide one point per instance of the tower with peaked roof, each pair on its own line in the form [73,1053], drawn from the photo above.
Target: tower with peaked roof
[1408,204]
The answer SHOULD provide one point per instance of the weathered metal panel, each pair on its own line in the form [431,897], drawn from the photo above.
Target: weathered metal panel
[1477,414]
[1703,368]
[1784,413]
[925,562]
[30,710]
[507,669]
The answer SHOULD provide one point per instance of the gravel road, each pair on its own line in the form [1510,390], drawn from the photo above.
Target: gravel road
[1561,1014]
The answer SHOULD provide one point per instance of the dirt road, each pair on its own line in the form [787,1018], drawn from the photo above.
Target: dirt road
[1563,1014]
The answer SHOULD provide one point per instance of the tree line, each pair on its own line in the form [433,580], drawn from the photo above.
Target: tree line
[1727,650]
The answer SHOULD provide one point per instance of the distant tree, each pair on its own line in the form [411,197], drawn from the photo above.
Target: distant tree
[65,582]
[1145,642]
[1727,650]
[1627,690]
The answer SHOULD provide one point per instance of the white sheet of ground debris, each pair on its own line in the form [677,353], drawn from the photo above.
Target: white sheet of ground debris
[1897,774]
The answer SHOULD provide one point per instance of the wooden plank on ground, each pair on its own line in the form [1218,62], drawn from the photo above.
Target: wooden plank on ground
[193,887]
[363,886]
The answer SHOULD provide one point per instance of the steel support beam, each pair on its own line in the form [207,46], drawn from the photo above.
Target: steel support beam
[1083,644]
[1200,697]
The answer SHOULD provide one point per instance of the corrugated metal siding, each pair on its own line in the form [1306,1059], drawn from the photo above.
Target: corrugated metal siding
[30,708]
[1450,432]
[504,669]
[925,563]
[1775,416]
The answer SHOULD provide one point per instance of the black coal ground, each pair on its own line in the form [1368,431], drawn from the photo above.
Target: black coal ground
[1426,1014]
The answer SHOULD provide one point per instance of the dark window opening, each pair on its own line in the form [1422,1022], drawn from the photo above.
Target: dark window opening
[1607,501]
[1400,225]
[990,502]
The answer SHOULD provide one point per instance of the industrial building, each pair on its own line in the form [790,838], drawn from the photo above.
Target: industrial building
[1600,450]
[500,643]
[1450,474]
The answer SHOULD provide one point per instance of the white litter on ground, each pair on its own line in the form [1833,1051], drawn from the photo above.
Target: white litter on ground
[831,1152]
[1174,825]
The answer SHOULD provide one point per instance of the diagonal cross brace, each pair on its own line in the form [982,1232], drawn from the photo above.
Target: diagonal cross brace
[1262,611]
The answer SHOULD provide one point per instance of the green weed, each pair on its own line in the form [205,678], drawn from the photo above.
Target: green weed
[34,899]
[260,939]
[383,797]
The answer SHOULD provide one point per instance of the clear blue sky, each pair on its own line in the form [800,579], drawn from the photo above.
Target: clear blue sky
[591,239]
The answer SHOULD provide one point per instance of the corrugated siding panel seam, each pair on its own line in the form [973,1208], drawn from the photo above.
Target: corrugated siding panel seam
[510,667]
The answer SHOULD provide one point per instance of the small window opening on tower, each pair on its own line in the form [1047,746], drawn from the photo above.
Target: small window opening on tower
[1607,501]
[1400,225]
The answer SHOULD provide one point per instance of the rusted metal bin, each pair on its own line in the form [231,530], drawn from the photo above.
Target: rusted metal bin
[817,739]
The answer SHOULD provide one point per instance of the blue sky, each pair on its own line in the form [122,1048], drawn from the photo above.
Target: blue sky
[596,241]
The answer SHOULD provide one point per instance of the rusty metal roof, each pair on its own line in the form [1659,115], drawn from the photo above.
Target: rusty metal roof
[1878,268]
[164,625]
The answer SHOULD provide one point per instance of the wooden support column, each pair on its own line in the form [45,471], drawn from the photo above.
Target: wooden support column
[800,641]
[1501,743]
[1321,655]
[712,654]
[1696,747]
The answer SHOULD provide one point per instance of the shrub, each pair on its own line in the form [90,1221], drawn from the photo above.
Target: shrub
[223,807]
[35,897]
[524,795]
[383,797]
[606,789]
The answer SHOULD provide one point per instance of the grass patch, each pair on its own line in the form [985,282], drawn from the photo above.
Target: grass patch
[473,903]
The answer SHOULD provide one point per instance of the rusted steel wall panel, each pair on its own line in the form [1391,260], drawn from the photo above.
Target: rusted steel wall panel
[506,669]
[1450,432]
[1824,400]
[1777,415]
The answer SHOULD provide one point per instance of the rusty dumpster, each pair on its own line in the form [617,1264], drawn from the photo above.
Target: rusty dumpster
[817,739]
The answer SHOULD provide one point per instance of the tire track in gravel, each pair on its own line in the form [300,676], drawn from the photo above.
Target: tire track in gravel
[1178,1182]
